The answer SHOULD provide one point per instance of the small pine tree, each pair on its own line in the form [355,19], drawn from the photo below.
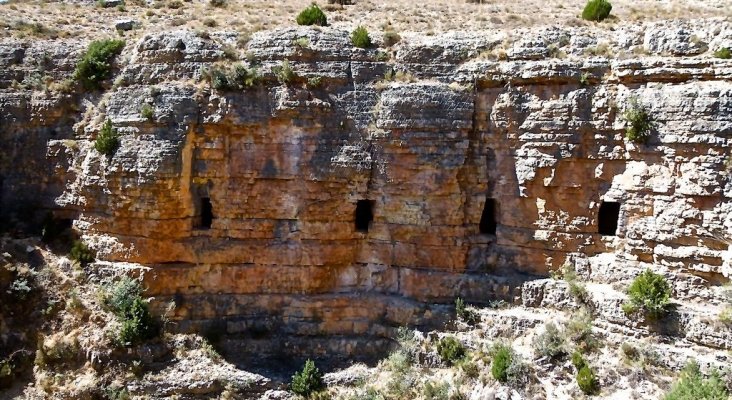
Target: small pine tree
[307,381]
[502,359]
[312,15]
[586,380]
[596,10]
[639,122]
[360,38]
[107,140]
[649,292]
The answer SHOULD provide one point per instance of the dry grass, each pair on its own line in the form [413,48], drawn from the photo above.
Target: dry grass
[246,16]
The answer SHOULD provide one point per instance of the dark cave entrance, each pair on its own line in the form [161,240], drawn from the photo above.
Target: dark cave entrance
[207,215]
[607,219]
[488,218]
[364,215]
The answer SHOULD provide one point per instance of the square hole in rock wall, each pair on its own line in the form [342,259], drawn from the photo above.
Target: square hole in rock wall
[607,218]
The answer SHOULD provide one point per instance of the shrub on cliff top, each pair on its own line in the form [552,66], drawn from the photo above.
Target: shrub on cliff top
[95,66]
[360,38]
[312,15]
[649,292]
[596,10]
[107,141]
[307,381]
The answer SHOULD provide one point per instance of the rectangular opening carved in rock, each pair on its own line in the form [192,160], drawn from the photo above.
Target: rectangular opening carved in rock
[207,216]
[607,219]
[488,218]
[364,215]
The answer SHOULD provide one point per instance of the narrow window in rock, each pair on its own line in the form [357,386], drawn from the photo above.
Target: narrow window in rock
[206,213]
[607,223]
[488,218]
[364,215]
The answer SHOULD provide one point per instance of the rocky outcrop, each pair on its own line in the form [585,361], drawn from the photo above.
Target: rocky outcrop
[476,164]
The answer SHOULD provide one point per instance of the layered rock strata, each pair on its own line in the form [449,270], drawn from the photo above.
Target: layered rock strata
[476,163]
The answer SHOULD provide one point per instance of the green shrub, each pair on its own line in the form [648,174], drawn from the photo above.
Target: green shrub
[107,141]
[723,53]
[586,380]
[95,66]
[360,38]
[578,361]
[284,73]
[235,77]
[81,253]
[312,15]
[502,359]
[217,3]
[639,122]
[693,386]
[550,343]
[147,112]
[124,299]
[307,381]
[436,391]
[465,314]
[391,38]
[450,349]
[649,292]
[596,10]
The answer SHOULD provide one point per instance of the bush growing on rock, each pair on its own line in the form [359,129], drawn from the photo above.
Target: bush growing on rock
[307,381]
[234,77]
[360,38]
[639,122]
[450,350]
[284,73]
[464,313]
[693,386]
[650,293]
[596,10]
[312,15]
[81,253]
[586,380]
[502,358]
[125,300]
[107,141]
[550,343]
[95,66]
[723,53]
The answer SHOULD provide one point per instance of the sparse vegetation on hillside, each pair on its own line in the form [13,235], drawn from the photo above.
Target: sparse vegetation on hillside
[638,120]
[649,293]
[107,141]
[284,73]
[312,15]
[465,314]
[96,64]
[596,10]
[693,386]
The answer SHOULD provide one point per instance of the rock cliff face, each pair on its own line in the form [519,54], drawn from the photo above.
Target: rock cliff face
[344,204]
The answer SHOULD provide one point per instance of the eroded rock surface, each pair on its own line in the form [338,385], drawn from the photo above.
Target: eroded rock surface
[244,202]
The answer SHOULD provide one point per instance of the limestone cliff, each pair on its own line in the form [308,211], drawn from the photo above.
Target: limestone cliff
[477,161]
